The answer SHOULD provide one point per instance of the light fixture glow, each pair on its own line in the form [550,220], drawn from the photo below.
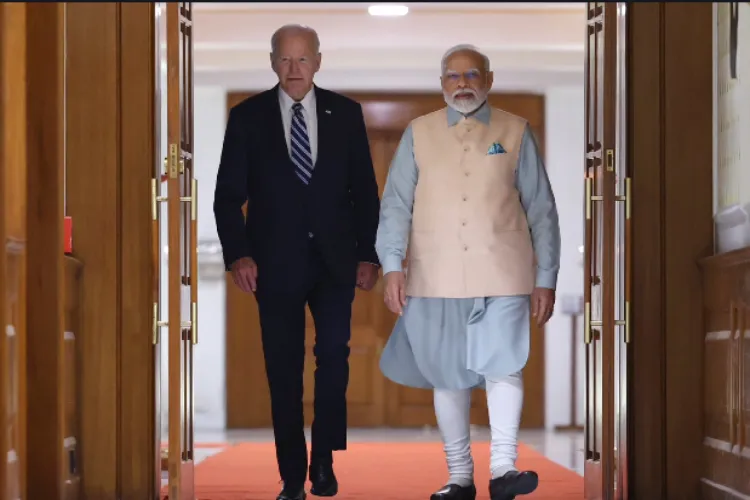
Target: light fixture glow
[390,10]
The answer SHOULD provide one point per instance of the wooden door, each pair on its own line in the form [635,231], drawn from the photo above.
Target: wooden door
[605,275]
[181,214]
[12,249]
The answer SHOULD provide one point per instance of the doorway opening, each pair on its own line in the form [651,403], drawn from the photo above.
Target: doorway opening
[571,91]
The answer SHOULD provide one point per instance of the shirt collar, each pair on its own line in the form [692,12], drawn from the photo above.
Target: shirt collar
[482,114]
[308,102]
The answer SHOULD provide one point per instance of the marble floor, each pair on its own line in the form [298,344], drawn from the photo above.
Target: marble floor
[564,448]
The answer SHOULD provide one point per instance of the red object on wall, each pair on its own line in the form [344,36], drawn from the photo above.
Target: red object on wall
[68,232]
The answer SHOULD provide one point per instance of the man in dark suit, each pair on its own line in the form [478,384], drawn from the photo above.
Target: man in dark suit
[299,156]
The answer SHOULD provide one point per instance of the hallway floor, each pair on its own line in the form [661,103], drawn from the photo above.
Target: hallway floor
[563,448]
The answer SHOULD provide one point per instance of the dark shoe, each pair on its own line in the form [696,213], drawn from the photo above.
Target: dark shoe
[292,493]
[455,492]
[513,483]
[324,483]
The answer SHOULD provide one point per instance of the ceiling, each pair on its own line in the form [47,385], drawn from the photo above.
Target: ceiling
[530,45]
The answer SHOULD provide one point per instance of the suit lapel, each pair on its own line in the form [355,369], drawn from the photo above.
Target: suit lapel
[276,125]
[325,134]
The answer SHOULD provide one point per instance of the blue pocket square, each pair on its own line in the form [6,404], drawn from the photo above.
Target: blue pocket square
[496,149]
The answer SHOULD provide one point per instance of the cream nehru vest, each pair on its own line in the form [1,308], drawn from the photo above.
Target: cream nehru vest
[469,235]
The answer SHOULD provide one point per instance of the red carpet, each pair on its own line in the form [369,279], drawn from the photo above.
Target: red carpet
[371,471]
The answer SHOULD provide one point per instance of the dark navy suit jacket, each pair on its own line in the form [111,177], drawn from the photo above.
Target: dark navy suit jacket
[337,211]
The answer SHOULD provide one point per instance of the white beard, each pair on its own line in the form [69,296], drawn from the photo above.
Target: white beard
[465,106]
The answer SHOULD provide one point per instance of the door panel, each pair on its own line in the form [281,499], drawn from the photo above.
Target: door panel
[604,274]
[12,250]
[180,214]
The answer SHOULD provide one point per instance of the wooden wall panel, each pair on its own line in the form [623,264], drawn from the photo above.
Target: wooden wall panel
[13,246]
[648,349]
[45,274]
[726,304]
[670,150]
[688,161]
[69,383]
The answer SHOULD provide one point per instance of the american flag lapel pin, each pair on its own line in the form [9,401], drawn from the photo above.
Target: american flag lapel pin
[328,111]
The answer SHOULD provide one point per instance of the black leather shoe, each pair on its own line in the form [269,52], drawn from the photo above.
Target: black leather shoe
[455,492]
[292,493]
[324,482]
[513,483]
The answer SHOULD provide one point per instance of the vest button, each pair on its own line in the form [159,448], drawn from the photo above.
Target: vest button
[465,198]
[465,248]
[466,148]
[463,223]
[466,174]
[310,235]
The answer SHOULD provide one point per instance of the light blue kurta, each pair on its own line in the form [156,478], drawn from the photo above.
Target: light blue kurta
[458,343]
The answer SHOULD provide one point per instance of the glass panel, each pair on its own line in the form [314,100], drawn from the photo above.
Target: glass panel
[622,255]
[162,352]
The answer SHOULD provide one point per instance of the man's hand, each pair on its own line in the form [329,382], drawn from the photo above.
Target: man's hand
[367,276]
[395,292]
[245,274]
[542,304]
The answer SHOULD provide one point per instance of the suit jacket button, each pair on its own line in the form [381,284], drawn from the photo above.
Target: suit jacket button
[310,235]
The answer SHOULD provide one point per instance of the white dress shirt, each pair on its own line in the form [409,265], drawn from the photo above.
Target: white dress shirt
[311,119]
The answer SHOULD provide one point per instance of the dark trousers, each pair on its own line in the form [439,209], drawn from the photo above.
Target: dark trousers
[282,321]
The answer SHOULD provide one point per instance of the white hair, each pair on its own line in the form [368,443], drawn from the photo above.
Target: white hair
[298,28]
[464,47]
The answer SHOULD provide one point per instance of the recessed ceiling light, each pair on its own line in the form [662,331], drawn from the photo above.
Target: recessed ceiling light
[391,10]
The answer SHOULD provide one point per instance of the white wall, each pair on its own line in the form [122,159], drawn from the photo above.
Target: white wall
[564,122]
[731,128]
[564,152]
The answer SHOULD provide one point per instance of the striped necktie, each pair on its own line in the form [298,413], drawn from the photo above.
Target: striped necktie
[300,145]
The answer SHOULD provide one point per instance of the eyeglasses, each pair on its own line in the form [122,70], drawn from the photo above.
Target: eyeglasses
[472,75]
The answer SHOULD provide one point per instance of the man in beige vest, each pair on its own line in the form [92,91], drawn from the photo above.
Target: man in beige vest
[468,193]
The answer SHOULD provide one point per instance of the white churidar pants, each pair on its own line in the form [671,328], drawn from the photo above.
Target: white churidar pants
[505,402]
